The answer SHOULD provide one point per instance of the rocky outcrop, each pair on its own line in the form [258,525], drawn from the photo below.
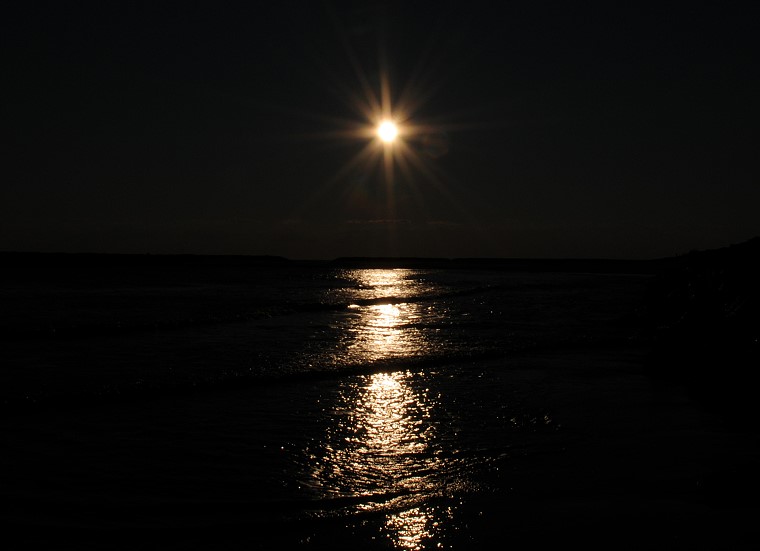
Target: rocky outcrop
[711,295]
[703,311]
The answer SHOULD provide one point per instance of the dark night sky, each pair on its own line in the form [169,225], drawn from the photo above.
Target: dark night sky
[558,130]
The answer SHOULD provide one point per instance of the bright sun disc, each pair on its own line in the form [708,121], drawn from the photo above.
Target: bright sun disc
[387,131]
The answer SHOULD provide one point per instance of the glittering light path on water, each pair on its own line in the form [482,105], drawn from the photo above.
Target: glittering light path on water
[380,449]
[402,447]
[380,444]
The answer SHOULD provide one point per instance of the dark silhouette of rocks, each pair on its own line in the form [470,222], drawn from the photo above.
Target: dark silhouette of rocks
[708,291]
[704,313]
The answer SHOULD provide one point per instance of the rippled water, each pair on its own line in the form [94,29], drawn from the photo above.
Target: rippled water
[360,394]
[387,447]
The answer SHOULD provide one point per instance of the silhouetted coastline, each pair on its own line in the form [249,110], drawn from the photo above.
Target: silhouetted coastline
[46,266]
[703,316]
[102,268]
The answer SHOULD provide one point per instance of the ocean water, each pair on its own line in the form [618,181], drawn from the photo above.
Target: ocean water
[315,406]
[115,337]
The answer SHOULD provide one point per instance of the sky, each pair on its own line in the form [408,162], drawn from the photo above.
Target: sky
[527,129]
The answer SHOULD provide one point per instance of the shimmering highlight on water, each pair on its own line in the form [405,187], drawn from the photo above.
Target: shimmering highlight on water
[379,446]
[380,438]
[388,398]
[381,449]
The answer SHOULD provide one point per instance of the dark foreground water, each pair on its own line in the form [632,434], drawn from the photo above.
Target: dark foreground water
[321,407]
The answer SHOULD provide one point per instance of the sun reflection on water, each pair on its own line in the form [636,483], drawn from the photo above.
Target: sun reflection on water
[410,528]
[379,449]
[391,418]
[383,330]
[381,334]
[379,441]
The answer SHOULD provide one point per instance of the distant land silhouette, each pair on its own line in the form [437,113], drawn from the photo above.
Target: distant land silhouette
[48,266]
[729,268]
[598,265]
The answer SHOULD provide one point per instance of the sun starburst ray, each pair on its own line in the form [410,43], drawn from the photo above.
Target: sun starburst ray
[411,181]
[359,73]
[385,85]
[438,179]
[366,159]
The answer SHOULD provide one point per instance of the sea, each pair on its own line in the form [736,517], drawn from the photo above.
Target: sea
[280,404]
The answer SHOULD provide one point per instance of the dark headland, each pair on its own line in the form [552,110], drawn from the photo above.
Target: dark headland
[703,318]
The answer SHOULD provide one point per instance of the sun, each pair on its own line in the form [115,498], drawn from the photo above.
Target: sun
[387,131]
